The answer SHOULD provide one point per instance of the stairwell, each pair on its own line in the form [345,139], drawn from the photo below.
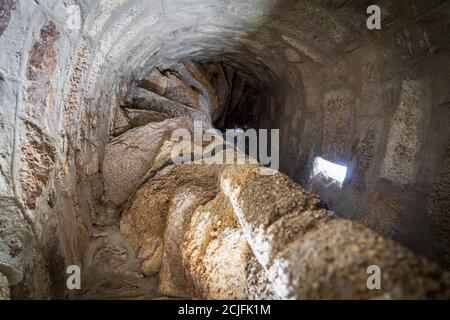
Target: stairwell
[94,92]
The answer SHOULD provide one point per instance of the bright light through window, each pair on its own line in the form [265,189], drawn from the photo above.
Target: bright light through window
[329,169]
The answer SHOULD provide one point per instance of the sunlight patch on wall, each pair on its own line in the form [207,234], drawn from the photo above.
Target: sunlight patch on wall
[329,169]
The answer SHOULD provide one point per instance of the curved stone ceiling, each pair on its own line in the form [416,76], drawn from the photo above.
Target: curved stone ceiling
[373,101]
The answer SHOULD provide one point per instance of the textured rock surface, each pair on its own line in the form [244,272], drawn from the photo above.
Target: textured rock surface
[4,288]
[172,87]
[173,276]
[259,286]
[404,141]
[142,117]
[214,240]
[129,156]
[121,122]
[182,208]
[438,210]
[126,119]
[195,78]
[16,242]
[383,215]
[37,161]
[313,64]
[218,80]
[283,232]
[144,221]
[336,124]
[274,219]
[149,100]
[41,65]
[5,15]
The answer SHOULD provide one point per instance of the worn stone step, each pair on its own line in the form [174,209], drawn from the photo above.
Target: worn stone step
[218,79]
[142,117]
[168,84]
[123,286]
[128,156]
[148,100]
[193,76]
[130,118]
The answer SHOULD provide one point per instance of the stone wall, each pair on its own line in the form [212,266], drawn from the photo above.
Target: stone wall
[376,104]
[61,84]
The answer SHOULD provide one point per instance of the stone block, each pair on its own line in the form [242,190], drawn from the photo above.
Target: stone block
[128,157]
[404,141]
[337,124]
[383,215]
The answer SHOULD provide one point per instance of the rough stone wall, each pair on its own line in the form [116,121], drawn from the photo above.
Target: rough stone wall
[190,220]
[61,86]
[377,108]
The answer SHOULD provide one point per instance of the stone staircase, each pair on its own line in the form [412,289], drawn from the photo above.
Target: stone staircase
[224,231]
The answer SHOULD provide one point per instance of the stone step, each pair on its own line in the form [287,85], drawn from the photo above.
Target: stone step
[129,118]
[194,77]
[129,156]
[219,81]
[123,286]
[148,100]
[140,117]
